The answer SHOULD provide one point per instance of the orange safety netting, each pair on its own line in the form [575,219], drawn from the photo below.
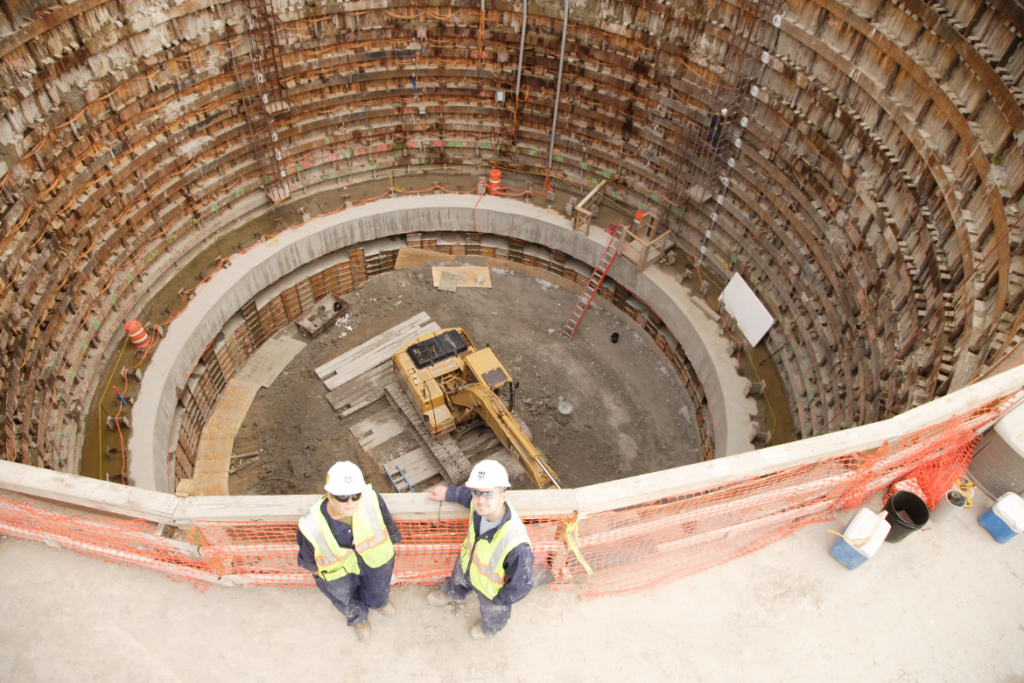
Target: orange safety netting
[130,542]
[614,552]
[265,552]
[659,541]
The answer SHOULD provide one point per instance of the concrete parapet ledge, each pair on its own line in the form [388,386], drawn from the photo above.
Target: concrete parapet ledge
[167,508]
[264,264]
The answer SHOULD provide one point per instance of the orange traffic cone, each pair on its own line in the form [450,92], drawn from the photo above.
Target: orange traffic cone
[137,334]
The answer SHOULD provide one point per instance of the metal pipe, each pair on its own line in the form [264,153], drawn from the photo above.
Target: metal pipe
[522,43]
[558,85]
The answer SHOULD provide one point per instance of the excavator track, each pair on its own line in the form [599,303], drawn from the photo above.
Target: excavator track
[449,456]
[522,426]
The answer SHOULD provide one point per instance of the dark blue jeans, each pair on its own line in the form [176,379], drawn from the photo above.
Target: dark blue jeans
[493,617]
[356,594]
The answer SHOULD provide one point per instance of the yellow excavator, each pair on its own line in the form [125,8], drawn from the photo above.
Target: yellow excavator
[451,382]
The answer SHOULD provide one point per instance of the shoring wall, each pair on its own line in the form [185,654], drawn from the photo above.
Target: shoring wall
[873,190]
[614,538]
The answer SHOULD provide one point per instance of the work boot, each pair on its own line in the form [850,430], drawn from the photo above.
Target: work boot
[477,632]
[437,598]
[362,630]
[388,609]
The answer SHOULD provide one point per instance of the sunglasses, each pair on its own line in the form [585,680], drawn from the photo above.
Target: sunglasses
[486,495]
[345,499]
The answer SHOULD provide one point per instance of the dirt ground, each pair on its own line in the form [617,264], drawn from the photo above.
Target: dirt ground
[631,413]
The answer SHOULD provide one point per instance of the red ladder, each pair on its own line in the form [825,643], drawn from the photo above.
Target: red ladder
[583,303]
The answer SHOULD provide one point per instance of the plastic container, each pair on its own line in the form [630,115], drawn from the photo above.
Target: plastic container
[563,412]
[494,181]
[137,333]
[907,513]
[954,500]
[861,539]
[1005,519]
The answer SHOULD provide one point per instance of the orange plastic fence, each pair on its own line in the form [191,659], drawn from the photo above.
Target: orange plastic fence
[615,552]
[265,552]
[642,546]
[129,542]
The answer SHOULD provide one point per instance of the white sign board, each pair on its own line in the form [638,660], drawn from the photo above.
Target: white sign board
[742,303]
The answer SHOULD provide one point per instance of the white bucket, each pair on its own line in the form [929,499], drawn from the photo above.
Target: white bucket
[954,500]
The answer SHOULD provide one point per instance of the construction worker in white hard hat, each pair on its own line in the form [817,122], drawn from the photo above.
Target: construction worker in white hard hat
[346,541]
[718,119]
[496,559]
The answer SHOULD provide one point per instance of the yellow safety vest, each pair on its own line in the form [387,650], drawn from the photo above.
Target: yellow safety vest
[369,535]
[486,571]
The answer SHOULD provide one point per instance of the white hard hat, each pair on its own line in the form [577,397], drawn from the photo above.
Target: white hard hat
[344,479]
[488,474]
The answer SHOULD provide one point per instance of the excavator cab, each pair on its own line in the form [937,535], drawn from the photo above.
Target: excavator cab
[489,371]
[435,349]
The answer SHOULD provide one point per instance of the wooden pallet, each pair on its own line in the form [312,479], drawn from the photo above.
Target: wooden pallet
[377,429]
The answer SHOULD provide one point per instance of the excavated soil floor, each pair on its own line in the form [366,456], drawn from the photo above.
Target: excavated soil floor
[631,414]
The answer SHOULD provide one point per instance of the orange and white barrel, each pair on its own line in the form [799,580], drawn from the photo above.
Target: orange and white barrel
[494,181]
[639,215]
[137,333]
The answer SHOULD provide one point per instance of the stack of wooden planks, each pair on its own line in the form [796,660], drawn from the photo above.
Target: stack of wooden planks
[368,356]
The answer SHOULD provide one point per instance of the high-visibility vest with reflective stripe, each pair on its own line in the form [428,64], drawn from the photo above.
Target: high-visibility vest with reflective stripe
[486,567]
[369,535]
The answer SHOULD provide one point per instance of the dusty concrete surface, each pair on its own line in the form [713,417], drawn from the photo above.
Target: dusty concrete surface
[944,605]
[631,413]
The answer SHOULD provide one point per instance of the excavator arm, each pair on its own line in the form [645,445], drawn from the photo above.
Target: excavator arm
[489,406]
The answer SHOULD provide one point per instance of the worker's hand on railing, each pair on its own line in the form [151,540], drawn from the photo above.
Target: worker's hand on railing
[437,493]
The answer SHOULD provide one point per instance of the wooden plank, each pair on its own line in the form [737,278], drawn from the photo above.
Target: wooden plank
[376,430]
[267,363]
[357,263]
[359,386]
[138,503]
[472,274]
[353,401]
[365,357]
[327,368]
[416,465]
[360,392]
[213,459]
[381,355]
[370,359]
[93,494]
[479,440]
[414,258]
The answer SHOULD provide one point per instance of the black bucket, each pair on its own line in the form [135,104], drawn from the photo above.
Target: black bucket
[907,513]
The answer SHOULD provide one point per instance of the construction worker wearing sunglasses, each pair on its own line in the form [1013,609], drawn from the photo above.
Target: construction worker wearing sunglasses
[346,541]
[496,560]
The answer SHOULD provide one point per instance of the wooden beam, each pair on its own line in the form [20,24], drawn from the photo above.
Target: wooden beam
[372,347]
[115,499]
[351,369]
